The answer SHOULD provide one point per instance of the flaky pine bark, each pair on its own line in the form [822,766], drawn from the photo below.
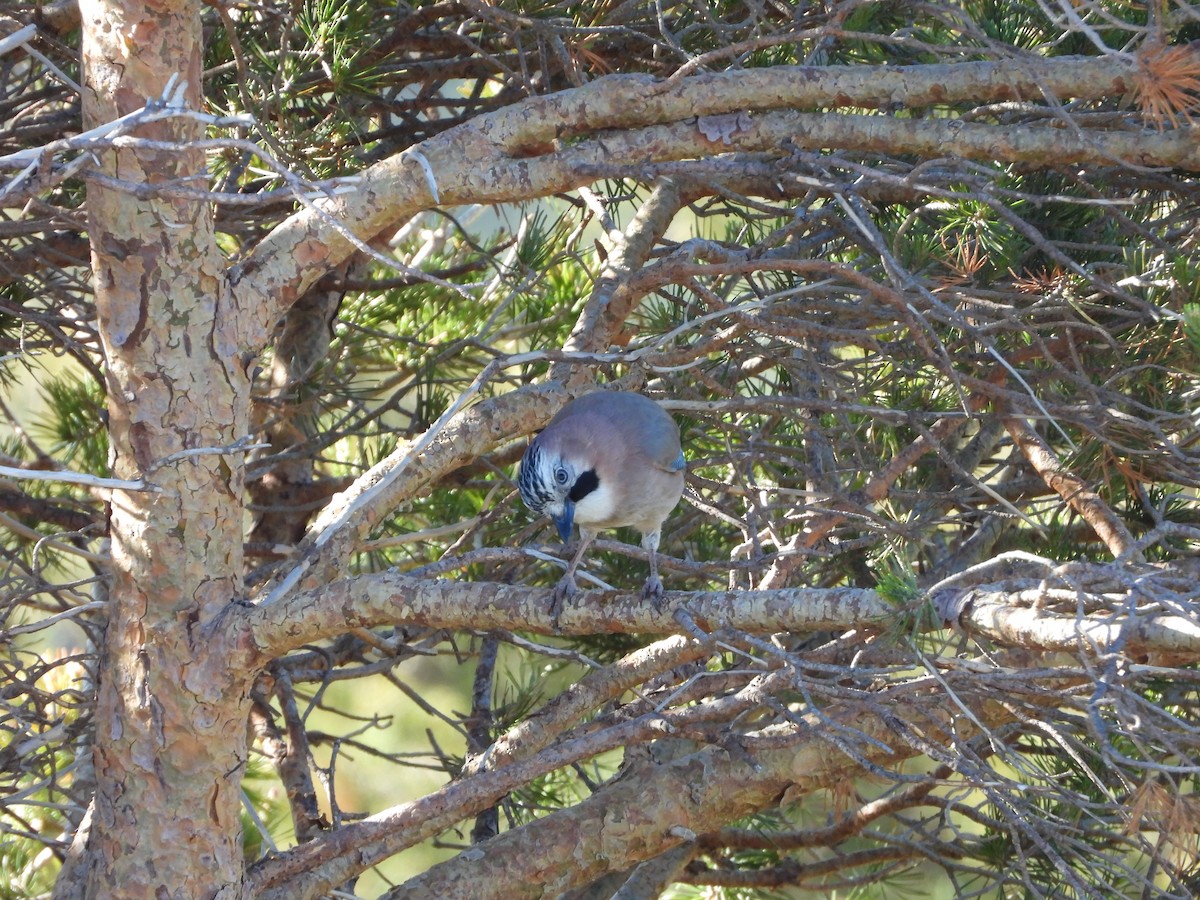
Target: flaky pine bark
[171,710]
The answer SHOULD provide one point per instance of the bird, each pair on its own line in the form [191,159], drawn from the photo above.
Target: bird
[606,460]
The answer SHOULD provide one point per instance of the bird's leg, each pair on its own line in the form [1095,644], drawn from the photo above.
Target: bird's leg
[653,589]
[566,587]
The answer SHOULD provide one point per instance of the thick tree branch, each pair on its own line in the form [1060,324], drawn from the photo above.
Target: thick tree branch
[1171,638]
[60,515]
[505,155]
[392,598]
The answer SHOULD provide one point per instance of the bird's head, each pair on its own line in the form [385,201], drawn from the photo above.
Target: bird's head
[551,483]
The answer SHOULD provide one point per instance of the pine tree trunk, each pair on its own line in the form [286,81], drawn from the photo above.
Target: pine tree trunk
[171,741]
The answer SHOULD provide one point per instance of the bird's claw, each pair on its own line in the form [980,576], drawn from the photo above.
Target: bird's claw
[653,591]
[564,590]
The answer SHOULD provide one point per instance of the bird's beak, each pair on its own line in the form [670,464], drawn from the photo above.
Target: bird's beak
[564,521]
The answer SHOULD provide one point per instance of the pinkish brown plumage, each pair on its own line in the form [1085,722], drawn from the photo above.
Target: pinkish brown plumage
[608,459]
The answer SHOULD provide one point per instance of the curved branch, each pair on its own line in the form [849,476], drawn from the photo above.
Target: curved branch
[508,154]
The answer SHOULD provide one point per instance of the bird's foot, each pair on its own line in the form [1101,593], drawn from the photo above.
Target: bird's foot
[564,590]
[653,591]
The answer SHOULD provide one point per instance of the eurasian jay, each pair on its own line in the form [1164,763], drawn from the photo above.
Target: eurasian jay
[608,459]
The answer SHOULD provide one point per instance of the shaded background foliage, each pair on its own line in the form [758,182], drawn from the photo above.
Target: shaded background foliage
[861,348]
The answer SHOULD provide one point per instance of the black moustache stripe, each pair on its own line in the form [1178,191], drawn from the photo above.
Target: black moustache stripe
[584,485]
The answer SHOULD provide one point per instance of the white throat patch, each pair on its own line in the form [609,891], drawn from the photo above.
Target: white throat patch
[597,508]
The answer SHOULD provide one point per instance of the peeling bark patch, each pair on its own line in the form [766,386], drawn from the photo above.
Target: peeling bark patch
[311,252]
[722,128]
[141,442]
[124,320]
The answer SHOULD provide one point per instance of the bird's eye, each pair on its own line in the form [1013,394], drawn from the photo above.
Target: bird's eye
[561,476]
